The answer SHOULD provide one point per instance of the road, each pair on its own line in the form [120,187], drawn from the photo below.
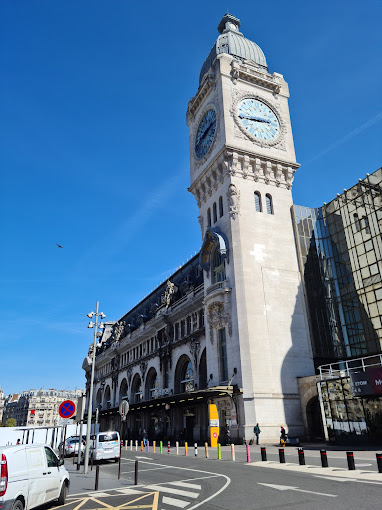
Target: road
[169,482]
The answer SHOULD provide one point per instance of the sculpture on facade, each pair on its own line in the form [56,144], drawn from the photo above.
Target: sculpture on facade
[169,293]
[233,195]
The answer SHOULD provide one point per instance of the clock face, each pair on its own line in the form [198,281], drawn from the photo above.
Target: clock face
[206,133]
[258,119]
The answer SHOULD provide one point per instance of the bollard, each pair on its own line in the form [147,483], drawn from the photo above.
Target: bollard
[379,462]
[248,453]
[206,449]
[131,445]
[350,459]
[160,447]
[281,455]
[301,456]
[177,447]
[147,446]
[196,449]
[136,445]
[219,452]
[233,452]
[96,478]
[324,458]
[141,446]
[136,473]
[185,449]
[168,446]
[154,445]
[263,451]
[126,445]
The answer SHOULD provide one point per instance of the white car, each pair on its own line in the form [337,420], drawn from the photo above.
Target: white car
[105,446]
[31,475]
[72,446]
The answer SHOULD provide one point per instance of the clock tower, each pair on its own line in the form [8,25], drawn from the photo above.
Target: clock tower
[242,163]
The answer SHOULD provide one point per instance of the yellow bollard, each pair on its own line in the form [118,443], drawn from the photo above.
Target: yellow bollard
[185,449]
[141,446]
[154,445]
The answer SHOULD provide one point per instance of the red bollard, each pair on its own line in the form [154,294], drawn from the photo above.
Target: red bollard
[263,453]
[248,454]
[168,447]
[350,459]
[379,462]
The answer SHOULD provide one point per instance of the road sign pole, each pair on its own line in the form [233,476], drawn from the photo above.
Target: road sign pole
[63,445]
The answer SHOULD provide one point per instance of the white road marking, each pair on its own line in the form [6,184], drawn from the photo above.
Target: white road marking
[177,492]
[174,502]
[347,479]
[288,488]
[187,485]
[139,457]
[128,491]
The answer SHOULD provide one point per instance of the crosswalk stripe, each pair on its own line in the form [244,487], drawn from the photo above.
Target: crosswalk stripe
[174,502]
[177,492]
[128,491]
[186,485]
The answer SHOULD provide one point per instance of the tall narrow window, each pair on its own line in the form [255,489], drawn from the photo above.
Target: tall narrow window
[356,223]
[221,206]
[218,266]
[268,201]
[214,211]
[258,202]
[223,356]
[208,217]
[365,224]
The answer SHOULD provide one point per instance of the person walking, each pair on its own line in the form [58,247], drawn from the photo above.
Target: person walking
[144,437]
[256,430]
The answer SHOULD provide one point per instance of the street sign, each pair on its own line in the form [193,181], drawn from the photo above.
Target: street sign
[65,421]
[67,409]
[123,409]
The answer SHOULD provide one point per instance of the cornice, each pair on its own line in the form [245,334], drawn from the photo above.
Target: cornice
[233,162]
[248,73]
[195,103]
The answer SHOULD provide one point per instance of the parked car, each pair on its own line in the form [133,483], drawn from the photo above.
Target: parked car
[72,446]
[30,476]
[105,446]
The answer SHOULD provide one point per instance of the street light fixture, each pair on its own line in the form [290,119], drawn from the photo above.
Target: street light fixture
[90,409]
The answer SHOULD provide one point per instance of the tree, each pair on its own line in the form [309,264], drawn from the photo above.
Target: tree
[11,422]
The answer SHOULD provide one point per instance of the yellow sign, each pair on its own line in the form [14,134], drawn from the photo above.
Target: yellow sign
[214,425]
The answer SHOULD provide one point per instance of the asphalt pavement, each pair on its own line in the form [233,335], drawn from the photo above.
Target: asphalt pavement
[171,481]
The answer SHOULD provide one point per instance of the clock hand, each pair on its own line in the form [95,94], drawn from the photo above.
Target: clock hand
[257,119]
[205,134]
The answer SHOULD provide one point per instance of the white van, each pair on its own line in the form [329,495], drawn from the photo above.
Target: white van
[106,446]
[31,475]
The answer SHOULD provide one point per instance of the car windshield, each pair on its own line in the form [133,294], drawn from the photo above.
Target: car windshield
[74,441]
[103,438]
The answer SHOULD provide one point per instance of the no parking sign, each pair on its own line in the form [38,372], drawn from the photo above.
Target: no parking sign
[67,409]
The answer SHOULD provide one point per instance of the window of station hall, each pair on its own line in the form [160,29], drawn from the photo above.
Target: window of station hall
[218,266]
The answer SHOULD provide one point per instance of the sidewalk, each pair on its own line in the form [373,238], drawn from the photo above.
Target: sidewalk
[80,483]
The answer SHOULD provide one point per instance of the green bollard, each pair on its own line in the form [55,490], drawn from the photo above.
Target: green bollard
[160,447]
[219,452]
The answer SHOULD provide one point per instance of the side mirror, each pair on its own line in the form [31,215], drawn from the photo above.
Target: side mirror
[61,462]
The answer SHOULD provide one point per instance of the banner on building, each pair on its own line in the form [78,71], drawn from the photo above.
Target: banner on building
[366,383]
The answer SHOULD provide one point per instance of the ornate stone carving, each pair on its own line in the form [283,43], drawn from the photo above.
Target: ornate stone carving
[168,294]
[233,195]
[218,317]
[200,219]
[195,349]
[143,367]
[129,372]
[90,351]
[118,330]
[245,167]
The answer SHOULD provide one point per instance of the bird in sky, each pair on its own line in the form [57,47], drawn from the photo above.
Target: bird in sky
[59,245]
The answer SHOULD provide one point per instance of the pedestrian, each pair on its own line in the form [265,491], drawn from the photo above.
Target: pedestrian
[144,437]
[282,433]
[256,430]
[18,441]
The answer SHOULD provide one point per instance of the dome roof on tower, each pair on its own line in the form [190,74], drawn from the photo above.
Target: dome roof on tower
[233,42]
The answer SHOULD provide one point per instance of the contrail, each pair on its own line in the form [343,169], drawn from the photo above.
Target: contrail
[347,137]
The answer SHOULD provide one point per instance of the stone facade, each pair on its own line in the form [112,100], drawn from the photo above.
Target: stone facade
[37,408]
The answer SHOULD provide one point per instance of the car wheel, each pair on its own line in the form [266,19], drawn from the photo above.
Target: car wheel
[18,505]
[63,494]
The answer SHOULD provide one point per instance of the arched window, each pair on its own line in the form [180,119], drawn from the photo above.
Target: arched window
[107,398]
[218,267]
[365,224]
[123,390]
[221,206]
[269,203]
[187,382]
[258,206]
[136,390]
[215,213]
[152,385]
[208,217]
[223,362]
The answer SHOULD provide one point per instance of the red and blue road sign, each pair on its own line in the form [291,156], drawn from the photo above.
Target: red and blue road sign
[67,409]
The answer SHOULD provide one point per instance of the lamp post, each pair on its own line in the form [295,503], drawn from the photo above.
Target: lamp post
[90,407]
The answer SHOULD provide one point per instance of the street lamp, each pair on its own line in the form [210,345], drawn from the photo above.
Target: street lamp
[94,325]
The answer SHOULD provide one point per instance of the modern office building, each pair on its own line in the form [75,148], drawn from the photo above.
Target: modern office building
[231,326]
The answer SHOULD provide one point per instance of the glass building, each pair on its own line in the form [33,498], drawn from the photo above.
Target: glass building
[340,255]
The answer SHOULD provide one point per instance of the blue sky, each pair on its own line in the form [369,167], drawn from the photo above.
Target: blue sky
[94,149]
